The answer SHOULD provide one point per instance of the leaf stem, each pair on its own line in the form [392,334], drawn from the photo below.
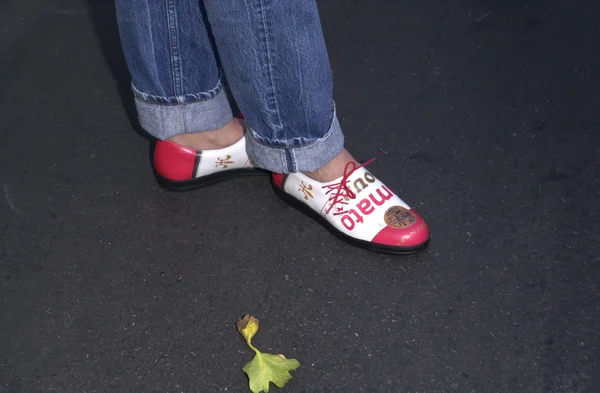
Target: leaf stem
[249,342]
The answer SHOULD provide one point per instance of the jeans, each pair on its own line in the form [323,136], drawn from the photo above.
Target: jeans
[273,56]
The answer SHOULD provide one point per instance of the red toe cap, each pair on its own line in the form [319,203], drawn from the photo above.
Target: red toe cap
[405,233]
[173,161]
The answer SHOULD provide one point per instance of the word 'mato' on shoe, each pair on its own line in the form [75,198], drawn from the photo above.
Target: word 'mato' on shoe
[182,168]
[357,208]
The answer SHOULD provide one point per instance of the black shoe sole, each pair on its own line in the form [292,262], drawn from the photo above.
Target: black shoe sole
[208,180]
[295,203]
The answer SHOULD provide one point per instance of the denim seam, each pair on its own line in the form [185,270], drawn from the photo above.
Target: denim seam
[174,45]
[294,164]
[181,99]
[180,119]
[269,57]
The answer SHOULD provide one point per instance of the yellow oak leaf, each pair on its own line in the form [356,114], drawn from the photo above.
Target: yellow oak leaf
[264,368]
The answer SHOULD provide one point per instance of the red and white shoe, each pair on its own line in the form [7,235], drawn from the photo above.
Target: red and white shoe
[181,168]
[358,209]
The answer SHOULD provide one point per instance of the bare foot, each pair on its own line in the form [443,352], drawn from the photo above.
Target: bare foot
[333,169]
[226,136]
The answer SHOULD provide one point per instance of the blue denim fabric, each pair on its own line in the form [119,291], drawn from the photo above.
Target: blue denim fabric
[273,55]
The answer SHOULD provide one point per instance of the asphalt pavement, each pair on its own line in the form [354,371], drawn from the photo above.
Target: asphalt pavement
[483,115]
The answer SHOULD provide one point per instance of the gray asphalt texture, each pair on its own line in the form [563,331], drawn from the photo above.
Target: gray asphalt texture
[483,115]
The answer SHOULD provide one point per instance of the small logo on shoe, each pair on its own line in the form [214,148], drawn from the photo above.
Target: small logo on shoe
[223,162]
[399,217]
[306,190]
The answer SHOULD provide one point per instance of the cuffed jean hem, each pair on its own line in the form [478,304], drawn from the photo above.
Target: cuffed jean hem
[163,119]
[305,158]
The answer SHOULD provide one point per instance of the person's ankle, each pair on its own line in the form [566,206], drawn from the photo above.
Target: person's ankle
[226,136]
[333,169]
